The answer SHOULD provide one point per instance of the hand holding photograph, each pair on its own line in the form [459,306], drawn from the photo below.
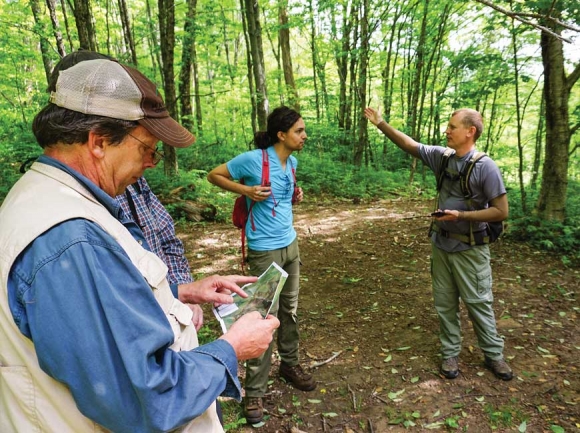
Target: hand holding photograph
[261,296]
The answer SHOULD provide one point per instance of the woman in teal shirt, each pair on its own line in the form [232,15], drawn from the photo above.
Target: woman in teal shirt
[272,238]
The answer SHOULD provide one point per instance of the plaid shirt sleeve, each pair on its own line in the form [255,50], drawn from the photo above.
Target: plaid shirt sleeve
[159,231]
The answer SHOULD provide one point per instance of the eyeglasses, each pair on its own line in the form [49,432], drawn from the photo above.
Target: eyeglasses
[157,156]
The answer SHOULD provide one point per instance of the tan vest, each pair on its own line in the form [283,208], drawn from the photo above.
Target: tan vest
[30,400]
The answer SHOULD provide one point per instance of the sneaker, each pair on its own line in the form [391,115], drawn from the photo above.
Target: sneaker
[253,410]
[450,367]
[500,368]
[297,377]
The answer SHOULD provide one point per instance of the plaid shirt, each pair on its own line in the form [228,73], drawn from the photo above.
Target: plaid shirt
[158,229]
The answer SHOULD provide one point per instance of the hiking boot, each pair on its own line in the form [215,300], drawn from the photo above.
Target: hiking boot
[450,367]
[253,410]
[500,368]
[297,377]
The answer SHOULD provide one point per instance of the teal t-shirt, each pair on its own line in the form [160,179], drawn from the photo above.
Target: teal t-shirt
[273,219]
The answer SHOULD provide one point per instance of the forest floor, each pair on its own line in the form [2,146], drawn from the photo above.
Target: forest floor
[365,302]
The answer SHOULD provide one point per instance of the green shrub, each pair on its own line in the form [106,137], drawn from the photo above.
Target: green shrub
[563,238]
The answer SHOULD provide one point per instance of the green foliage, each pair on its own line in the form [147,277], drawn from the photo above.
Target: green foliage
[504,416]
[319,175]
[14,153]
[561,238]
[193,186]
[233,415]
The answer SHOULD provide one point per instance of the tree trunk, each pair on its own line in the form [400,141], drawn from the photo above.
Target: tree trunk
[256,49]
[313,54]
[40,28]
[231,68]
[276,52]
[284,36]
[519,117]
[319,68]
[352,73]
[415,86]
[167,33]
[84,21]
[249,69]
[66,25]
[341,56]
[362,142]
[186,65]
[388,71]
[153,41]
[539,141]
[127,33]
[552,201]
[56,27]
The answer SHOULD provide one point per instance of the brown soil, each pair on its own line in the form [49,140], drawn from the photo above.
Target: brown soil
[365,301]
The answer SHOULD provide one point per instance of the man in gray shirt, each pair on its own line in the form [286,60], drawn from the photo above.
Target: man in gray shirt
[460,263]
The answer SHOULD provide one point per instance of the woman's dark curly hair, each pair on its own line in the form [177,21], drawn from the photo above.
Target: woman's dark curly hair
[281,119]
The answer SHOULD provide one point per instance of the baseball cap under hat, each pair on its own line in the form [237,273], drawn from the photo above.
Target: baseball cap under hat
[107,88]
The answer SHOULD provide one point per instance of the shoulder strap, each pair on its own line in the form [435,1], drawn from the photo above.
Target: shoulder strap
[131,202]
[265,168]
[265,182]
[293,170]
[465,188]
[466,173]
[443,165]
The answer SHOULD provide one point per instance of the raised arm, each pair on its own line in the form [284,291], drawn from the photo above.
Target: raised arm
[403,141]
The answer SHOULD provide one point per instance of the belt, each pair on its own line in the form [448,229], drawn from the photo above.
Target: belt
[479,237]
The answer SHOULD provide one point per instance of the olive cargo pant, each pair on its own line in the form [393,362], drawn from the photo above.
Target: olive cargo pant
[257,369]
[466,275]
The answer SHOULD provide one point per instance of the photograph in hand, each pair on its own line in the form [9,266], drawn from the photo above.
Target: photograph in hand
[262,294]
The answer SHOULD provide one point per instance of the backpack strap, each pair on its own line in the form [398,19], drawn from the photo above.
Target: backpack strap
[464,177]
[441,174]
[265,182]
[442,166]
[466,174]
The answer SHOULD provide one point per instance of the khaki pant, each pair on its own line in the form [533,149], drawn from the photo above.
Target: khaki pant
[465,275]
[257,369]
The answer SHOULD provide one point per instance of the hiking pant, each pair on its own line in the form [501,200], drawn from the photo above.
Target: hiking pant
[466,275]
[257,369]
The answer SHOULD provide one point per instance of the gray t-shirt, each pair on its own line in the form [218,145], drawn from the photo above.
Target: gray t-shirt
[485,183]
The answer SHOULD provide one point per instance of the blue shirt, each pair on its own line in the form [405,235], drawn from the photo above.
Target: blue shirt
[273,217]
[97,327]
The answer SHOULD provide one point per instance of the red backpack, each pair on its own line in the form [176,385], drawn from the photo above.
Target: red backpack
[242,212]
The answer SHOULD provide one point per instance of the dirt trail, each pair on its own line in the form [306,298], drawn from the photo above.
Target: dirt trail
[366,302]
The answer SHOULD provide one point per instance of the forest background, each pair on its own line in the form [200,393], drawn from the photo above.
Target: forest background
[223,65]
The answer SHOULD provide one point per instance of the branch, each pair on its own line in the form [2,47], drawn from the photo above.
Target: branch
[7,99]
[318,364]
[573,77]
[549,18]
[516,17]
